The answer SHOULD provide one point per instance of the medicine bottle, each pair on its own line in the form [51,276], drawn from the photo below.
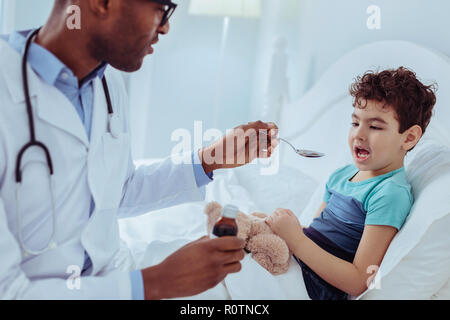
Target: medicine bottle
[227,225]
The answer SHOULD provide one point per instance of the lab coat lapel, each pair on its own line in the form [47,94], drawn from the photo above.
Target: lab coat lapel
[49,104]
[54,108]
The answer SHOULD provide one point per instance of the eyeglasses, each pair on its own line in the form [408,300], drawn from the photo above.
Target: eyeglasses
[168,11]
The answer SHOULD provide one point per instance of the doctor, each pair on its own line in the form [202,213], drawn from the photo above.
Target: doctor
[66,173]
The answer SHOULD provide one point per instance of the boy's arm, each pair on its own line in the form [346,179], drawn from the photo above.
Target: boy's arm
[351,278]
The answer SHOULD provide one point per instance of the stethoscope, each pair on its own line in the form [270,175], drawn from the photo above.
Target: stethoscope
[113,126]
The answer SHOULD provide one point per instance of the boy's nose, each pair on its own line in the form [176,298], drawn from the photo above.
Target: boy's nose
[360,134]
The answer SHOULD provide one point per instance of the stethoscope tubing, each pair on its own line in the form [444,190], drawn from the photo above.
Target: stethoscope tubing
[35,143]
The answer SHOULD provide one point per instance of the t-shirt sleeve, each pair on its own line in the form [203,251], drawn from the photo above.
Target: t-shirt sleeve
[389,206]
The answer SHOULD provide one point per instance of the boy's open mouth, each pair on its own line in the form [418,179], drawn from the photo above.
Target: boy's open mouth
[362,154]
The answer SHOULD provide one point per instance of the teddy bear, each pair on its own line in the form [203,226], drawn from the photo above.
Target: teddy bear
[267,248]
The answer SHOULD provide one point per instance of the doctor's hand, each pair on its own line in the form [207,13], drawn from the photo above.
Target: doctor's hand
[241,146]
[193,269]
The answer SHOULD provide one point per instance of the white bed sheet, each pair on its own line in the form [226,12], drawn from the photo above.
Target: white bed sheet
[156,235]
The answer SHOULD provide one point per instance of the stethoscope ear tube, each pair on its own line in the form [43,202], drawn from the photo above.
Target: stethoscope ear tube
[26,89]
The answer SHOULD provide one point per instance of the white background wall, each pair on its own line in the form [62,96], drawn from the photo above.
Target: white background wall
[177,84]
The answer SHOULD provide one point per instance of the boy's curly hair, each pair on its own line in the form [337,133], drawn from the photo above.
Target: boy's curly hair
[412,101]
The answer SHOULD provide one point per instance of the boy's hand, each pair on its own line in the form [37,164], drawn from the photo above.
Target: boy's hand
[285,224]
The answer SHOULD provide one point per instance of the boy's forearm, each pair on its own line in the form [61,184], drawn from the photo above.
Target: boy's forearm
[337,272]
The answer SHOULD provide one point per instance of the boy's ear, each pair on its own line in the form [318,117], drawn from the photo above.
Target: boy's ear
[411,137]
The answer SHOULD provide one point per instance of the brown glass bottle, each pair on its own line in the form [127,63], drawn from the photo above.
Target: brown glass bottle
[226,226]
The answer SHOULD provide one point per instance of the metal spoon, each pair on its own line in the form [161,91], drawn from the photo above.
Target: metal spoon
[302,152]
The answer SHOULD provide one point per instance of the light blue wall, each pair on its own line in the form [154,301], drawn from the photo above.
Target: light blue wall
[329,29]
[32,13]
[185,74]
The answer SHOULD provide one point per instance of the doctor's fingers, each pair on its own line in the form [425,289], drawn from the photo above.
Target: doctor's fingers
[274,144]
[202,239]
[230,256]
[232,268]
[227,244]
[259,125]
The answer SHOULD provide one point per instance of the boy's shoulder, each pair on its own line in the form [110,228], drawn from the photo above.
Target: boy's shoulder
[396,185]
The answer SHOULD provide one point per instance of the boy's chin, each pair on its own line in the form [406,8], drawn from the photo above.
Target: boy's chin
[362,166]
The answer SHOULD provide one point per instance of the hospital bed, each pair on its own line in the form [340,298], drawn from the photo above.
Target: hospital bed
[417,263]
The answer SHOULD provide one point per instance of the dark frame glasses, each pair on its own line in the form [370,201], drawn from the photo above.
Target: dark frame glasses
[169,11]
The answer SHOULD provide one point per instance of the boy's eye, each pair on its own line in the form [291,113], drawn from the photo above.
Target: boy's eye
[375,128]
[354,124]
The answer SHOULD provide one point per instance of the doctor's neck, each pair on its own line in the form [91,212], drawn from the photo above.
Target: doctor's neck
[67,45]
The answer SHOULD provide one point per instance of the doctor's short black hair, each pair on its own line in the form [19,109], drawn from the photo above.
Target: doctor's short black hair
[412,101]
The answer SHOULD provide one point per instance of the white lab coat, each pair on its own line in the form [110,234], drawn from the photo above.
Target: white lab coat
[102,168]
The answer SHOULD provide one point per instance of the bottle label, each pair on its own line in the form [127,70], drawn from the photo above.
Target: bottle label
[222,230]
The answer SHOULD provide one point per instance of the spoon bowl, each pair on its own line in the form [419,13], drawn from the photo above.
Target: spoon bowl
[302,152]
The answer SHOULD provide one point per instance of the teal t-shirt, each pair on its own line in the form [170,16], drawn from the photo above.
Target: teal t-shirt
[384,200]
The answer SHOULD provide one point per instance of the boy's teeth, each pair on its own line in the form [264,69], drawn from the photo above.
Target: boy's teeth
[365,155]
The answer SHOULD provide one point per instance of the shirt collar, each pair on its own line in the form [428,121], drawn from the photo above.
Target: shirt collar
[44,63]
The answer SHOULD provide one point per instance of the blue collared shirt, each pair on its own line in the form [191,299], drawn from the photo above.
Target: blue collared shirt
[51,70]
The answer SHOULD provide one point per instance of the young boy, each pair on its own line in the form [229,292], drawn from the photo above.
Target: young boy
[365,203]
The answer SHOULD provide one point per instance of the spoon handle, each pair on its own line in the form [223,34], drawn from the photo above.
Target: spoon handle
[295,149]
[303,153]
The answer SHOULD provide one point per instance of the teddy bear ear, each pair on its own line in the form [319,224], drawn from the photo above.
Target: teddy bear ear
[212,207]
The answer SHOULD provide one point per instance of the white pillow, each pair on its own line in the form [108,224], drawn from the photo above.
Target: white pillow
[329,134]
[427,161]
[423,271]
[444,293]
[417,263]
